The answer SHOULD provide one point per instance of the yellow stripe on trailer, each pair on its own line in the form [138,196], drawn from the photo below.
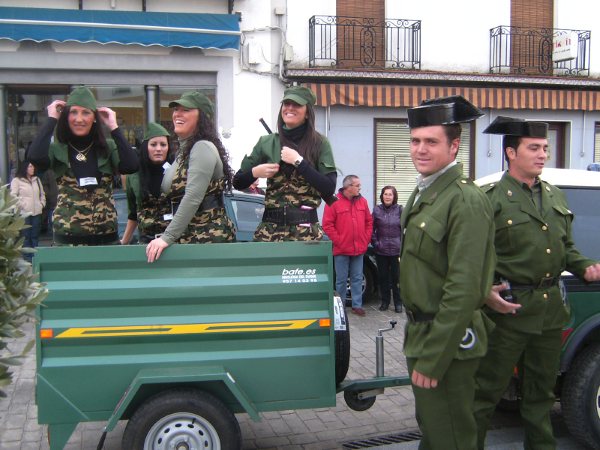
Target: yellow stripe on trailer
[194,328]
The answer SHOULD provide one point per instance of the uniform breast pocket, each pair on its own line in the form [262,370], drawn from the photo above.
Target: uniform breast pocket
[511,229]
[565,217]
[431,233]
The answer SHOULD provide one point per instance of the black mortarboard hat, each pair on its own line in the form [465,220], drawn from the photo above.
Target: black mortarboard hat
[509,126]
[443,111]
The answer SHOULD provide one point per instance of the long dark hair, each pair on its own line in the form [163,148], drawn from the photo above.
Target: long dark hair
[146,164]
[22,170]
[309,146]
[206,131]
[64,134]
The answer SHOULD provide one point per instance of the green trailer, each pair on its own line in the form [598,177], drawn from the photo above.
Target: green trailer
[178,346]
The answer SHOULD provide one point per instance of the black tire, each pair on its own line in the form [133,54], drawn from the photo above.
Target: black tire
[358,404]
[179,415]
[342,347]
[580,399]
[370,292]
[511,397]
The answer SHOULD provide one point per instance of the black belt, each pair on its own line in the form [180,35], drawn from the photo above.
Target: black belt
[414,317]
[544,283]
[209,202]
[290,215]
[90,239]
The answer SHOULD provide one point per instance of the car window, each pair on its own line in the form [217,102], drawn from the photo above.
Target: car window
[248,215]
[586,226]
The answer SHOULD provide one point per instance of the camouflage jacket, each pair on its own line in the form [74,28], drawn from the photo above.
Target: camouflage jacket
[288,189]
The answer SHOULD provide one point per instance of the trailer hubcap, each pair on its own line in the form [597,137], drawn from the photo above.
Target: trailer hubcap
[182,431]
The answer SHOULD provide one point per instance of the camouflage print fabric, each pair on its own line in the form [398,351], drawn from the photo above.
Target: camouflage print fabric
[150,216]
[84,211]
[209,226]
[292,191]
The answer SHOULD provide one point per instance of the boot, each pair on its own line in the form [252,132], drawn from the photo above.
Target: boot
[384,307]
[398,307]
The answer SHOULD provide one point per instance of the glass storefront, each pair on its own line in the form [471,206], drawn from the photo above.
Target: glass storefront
[26,111]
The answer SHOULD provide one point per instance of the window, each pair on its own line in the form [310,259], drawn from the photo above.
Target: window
[597,142]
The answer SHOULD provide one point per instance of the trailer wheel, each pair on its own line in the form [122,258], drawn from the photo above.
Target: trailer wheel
[356,403]
[580,399]
[182,418]
[342,341]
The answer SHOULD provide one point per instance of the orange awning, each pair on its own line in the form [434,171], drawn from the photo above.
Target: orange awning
[374,95]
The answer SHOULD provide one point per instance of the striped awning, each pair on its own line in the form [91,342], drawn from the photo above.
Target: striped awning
[374,95]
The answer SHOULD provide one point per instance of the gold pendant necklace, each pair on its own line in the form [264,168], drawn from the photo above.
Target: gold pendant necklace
[81,154]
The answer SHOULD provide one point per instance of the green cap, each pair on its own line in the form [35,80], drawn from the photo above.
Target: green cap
[154,130]
[195,100]
[299,94]
[82,96]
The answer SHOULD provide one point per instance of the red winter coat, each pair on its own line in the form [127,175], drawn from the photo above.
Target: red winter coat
[349,224]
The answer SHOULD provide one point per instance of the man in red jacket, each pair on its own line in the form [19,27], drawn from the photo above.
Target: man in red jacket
[349,224]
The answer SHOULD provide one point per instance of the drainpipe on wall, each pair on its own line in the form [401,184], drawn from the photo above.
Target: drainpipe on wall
[152,107]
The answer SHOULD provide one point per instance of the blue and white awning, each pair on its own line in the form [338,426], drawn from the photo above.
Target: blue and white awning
[218,31]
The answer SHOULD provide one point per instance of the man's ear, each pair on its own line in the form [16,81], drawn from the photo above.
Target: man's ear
[511,153]
[454,145]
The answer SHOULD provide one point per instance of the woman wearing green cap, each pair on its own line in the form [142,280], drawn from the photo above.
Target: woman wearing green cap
[298,164]
[149,208]
[196,180]
[84,163]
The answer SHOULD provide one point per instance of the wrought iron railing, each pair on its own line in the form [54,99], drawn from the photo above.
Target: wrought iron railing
[359,42]
[528,51]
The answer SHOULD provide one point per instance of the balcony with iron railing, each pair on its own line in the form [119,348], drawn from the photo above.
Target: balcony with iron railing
[539,51]
[365,43]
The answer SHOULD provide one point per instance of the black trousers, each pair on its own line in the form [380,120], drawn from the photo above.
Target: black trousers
[388,275]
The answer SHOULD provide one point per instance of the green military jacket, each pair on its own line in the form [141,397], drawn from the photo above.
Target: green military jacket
[446,269]
[59,159]
[531,246]
[150,213]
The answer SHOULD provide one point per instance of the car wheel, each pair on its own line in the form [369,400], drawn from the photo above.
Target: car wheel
[182,418]
[510,399]
[369,285]
[342,339]
[580,399]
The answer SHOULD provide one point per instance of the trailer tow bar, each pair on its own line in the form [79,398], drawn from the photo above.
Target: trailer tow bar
[360,395]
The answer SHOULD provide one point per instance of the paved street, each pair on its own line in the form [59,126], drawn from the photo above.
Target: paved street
[390,421]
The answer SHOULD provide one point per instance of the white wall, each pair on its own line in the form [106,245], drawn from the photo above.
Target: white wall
[581,15]
[455,35]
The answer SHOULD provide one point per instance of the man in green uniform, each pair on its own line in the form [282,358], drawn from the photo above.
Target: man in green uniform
[533,246]
[446,270]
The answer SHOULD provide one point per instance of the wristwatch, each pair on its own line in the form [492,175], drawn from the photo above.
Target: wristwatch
[298,161]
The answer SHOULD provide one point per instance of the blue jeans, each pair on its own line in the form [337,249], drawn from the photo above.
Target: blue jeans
[354,265]
[32,233]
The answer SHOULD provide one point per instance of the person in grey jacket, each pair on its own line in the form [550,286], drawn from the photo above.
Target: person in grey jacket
[387,235]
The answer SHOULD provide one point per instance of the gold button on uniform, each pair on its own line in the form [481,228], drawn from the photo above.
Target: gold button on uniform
[509,221]
[547,275]
[545,296]
[509,193]
[544,227]
[548,251]
[422,225]
[463,181]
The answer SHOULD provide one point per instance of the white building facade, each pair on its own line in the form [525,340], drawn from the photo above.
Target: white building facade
[366,72]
